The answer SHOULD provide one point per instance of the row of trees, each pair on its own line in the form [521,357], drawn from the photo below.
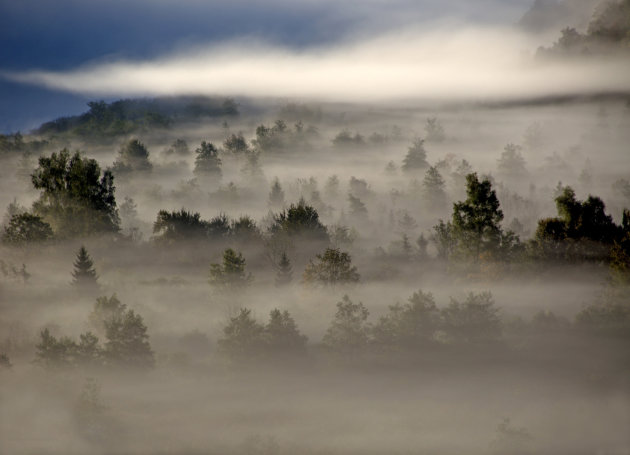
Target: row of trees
[77,199]
[416,326]
[126,341]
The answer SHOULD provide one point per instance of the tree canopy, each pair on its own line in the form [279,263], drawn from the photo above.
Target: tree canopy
[75,199]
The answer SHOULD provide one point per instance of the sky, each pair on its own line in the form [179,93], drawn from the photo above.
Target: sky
[56,56]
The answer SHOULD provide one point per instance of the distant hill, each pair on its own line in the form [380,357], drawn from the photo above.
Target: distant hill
[108,120]
[552,15]
[608,32]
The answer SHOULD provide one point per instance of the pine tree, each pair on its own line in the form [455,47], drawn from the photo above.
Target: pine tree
[416,157]
[207,161]
[276,195]
[231,274]
[285,271]
[84,275]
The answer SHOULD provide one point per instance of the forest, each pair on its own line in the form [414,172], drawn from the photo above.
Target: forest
[201,275]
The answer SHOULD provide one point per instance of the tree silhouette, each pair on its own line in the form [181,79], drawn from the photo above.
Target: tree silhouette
[282,334]
[331,268]
[276,195]
[75,199]
[127,341]
[230,275]
[26,228]
[416,157]
[207,161]
[349,331]
[84,275]
[132,156]
[243,336]
[285,271]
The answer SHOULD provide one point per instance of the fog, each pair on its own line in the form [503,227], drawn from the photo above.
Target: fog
[338,184]
[444,61]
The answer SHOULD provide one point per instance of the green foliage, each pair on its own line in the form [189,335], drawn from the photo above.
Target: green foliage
[416,157]
[475,321]
[300,220]
[230,275]
[127,341]
[409,325]
[75,199]
[475,232]
[332,268]
[207,161]
[236,145]
[349,331]
[582,230]
[179,225]
[24,228]
[123,117]
[133,156]
[84,275]
[52,352]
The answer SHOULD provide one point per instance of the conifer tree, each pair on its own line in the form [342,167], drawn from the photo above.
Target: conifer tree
[285,271]
[207,161]
[416,157]
[84,275]
[276,195]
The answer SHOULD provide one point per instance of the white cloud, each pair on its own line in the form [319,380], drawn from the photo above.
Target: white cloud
[446,63]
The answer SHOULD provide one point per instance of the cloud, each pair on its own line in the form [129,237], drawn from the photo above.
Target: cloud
[448,62]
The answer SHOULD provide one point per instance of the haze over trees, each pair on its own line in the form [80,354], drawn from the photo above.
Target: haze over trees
[270,276]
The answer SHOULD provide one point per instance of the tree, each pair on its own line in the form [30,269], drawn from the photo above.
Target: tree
[276,195]
[409,325]
[54,352]
[179,225]
[178,148]
[133,156]
[473,321]
[512,163]
[243,336]
[127,341]
[358,211]
[434,130]
[475,229]
[105,309]
[332,268]
[231,274]
[207,161]
[282,334]
[416,157]
[75,198]
[300,220]
[236,145]
[25,228]
[284,274]
[348,332]
[433,189]
[84,275]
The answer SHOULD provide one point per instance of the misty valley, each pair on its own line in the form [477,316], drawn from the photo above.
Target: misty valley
[195,274]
